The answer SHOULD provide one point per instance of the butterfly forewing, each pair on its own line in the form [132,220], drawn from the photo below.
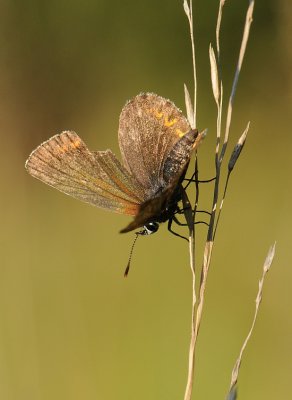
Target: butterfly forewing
[158,208]
[98,178]
[149,128]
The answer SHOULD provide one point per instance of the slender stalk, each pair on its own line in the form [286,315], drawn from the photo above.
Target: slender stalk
[197,314]
[218,27]
[192,347]
[194,63]
[245,36]
[191,365]
[217,86]
[188,7]
[266,267]
[232,161]
[221,205]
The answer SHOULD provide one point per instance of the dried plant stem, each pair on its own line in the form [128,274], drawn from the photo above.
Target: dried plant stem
[248,22]
[197,314]
[192,117]
[233,159]
[266,267]
[190,215]
[217,87]
[218,95]
[188,7]
[204,275]
[218,27]
[194,64]
[191,367]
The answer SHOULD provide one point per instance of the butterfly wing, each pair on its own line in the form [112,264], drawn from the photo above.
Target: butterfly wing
[173,172]
[150,126]
[151,210]
[65,163]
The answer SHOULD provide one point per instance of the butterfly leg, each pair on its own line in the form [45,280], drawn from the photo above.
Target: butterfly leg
[169,225]
[177,221]
[194,180]
[182,210]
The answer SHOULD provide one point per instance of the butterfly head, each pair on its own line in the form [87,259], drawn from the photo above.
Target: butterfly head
[149,228]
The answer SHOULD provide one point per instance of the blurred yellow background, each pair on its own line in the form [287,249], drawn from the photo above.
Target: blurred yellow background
[71,327]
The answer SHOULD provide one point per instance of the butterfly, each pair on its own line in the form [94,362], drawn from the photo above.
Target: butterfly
[156,142]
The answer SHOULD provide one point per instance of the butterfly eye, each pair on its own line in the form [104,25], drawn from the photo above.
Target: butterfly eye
[150,228]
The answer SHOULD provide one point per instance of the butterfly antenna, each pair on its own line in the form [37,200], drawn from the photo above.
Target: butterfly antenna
[130,256]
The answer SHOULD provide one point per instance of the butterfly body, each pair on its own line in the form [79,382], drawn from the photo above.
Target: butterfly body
[156,142]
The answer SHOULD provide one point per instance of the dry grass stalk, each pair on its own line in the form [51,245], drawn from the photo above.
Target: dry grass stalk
[189,107]
[242,51]
[217,87]
[188,7]
[231,164]
[214,76]
[191,114]
[218,26]
[237,149]
[188,212]
[266,267]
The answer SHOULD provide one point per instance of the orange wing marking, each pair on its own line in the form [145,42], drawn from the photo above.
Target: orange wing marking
[180,133]
[169,123]
[158,114]
[67,147]
[76,143]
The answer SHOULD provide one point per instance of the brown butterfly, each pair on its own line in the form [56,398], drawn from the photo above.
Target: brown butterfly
[156,143]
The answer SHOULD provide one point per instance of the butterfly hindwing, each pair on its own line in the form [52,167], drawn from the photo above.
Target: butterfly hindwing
[65,163]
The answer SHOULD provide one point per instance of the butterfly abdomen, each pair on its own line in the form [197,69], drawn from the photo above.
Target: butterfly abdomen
[179,157]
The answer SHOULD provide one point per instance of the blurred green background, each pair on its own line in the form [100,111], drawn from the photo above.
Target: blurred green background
[71,327]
